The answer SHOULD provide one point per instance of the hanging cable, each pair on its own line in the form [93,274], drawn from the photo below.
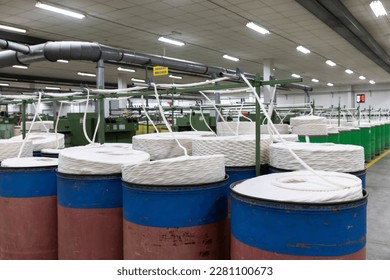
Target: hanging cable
[165,120]
[39,117]
[193,84]
[56,125]
[147,115]
[204,120]
[193,128]
[85,122]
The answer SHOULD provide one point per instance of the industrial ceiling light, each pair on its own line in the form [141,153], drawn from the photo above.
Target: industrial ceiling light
[372,82]
[20,66]
[295,75]
[230,57]
[171,41]
[138,80]
[63,61]
[362,77]
[175,77]
[86,74]
[348,71]
[257,28]
[59,10]
[302,49]
[378,9]
[329,84]
[315,80]
[53,88]
[330,63]
[125,69]
[4,85]
[11,28]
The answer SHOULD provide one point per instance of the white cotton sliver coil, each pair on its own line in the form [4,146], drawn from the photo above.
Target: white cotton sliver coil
[238,150]
[335,122]
[244,128]
[9,148]
[29,162]
[43,140]
[40,125]
[281,128]
[332,129]
[319,156]
[98,159]
[311,129]
[286,137]
[302,187]
[302,120]
[185,170]
[163,145]
[344,128]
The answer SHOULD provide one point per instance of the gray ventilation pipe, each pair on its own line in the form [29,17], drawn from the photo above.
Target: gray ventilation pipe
[70,50]
[8,45]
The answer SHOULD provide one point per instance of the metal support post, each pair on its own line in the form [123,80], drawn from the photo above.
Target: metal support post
[100,85]
[24,104]
[258,125]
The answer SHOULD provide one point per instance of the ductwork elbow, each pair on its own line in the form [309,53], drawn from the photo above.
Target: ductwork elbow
[70,50]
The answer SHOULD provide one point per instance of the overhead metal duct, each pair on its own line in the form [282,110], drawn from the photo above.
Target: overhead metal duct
[9,45]
[339,18]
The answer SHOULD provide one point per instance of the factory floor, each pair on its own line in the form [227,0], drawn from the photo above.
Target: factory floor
[378,209]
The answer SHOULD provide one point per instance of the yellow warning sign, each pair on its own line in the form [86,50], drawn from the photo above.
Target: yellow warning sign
[160,71]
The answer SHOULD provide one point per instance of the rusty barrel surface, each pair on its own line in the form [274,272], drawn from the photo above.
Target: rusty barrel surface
[90,217]
[269,229]
[175,222]
[28,213]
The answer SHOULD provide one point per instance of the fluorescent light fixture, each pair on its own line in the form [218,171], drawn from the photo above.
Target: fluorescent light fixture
[302,49]
[378,9]
[53,88]
[295,75]
[4,85]
[171,41]
[230,57]
[329,84]
[175,77]
[330,63]
[257,28]
[86,74]
[138,80]
[372,82]
[362,77]
[59,10]
[63,61]
[348,71]
[11,28]
[125,69]
[315,80]
[20,66]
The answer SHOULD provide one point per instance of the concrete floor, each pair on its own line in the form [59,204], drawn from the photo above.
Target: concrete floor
[378,211]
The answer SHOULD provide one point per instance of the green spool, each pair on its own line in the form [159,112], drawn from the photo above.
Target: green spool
[356,137]
[378,139]
[387,135]
[372,140]
[383,146]
[365,136]
[345,136]
[314,139]
[334,138]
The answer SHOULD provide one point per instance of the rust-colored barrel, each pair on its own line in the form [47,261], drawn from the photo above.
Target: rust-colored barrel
[28,213]
[89,217]
[175,222]
[269,229]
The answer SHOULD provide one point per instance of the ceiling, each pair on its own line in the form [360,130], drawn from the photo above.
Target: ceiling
[210,29]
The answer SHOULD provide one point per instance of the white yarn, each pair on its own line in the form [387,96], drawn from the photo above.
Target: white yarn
[281,128]
[302,120]
[302,186]
[344,128]
[9,148]
[42,140]
[320,156]
[336,122]
[238,150]
[310,129]
[332,129]
[29,162]
[185,170]
[227,128]
[98,159]
[286,137]
[51,151]
[163,145]
[40,125]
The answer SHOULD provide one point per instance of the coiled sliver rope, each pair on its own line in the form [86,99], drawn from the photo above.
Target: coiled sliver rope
[309,125]
[193,84]
[204,120]
[29,162]
[147,115]
[9,148]
[238,150]
[43,140]
[302,187]
[175,171]
[99,159]
[226,128]
[320,156]
[284,142]
[190,117]
[85,122]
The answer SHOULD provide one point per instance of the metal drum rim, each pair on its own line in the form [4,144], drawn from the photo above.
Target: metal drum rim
[88,176]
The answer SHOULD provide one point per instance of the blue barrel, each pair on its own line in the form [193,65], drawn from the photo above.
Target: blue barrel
[176,222]
[28,213]
[90,217]
[267,229]
[361,174]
